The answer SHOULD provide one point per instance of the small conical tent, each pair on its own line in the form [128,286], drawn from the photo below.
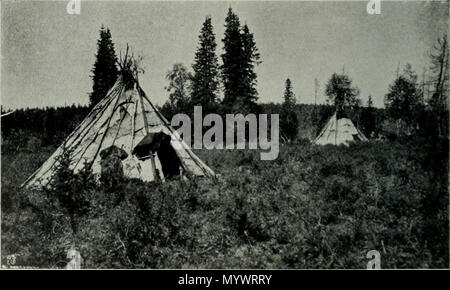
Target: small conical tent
[339,131]
[124,118]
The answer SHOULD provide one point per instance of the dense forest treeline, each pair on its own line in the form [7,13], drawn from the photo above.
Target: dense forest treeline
[51,125]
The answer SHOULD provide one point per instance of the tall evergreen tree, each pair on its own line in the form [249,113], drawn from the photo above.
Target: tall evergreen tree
[368,119]
[251,58]
[239,60]
[289,96]
[232,58]
[288,118]
[105,70]
[205,81]
[370,102]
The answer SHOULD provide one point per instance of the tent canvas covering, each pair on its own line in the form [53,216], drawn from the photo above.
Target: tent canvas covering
[123,118]
[339,131]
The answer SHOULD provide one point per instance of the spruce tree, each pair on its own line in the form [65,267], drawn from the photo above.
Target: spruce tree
[289,96]
[370,103]
[205,82]
[288,117]
[239,60]
[368,119]
[251,58]
[232,58]
[105,70]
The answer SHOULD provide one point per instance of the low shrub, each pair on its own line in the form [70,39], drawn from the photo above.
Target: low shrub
[313,207]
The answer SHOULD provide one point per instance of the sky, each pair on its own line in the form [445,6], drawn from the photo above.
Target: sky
[47,54]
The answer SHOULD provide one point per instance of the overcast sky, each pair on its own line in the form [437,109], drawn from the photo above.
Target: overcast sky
[47,54]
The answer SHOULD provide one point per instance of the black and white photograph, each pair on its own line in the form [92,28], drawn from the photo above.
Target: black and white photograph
[224,135]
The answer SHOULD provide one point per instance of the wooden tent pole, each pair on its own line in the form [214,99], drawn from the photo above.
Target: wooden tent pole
[336,109]
[152,158]
[336,131]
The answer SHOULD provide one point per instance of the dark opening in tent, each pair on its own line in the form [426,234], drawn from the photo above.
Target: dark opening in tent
[159,143]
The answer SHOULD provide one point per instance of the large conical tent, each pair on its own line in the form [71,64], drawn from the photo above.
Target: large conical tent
[339,131]
[125,118]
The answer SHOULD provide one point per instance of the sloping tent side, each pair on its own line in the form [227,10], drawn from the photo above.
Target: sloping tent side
[339,131]
[42,175]
[349,132]
[187,157]
[327,132]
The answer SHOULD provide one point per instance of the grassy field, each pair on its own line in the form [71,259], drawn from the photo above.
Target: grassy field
[313,207]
